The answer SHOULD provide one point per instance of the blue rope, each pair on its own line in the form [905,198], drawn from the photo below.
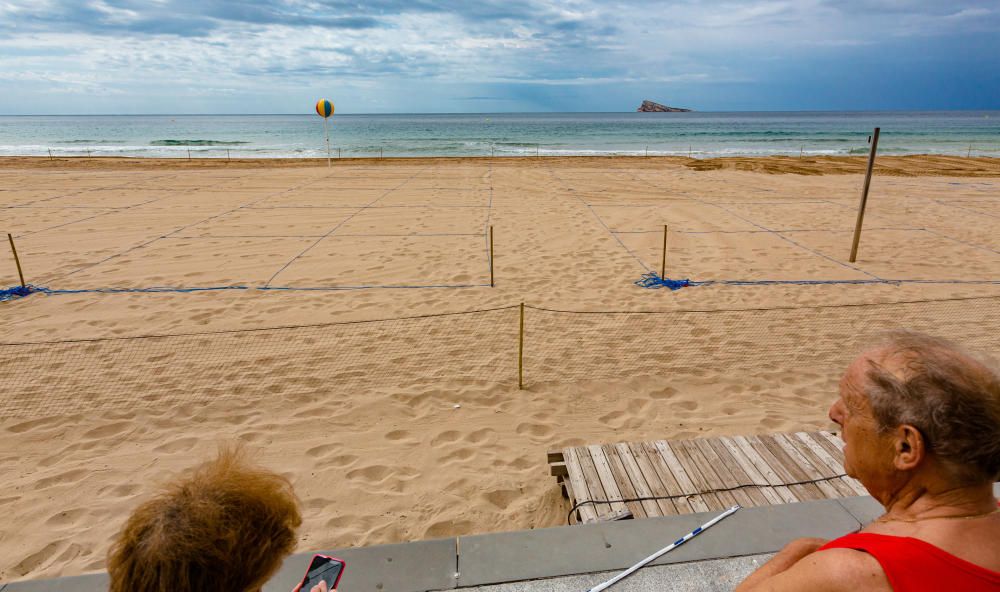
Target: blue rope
[19,292]
[16,292]
[653,281]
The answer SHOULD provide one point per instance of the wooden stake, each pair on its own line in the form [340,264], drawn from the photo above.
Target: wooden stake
[520,353]
[492,284]
[189,155]
[227,155]
[50,154]
[663,264]
[969,155]
[864,197]
[338,152]
[17,261]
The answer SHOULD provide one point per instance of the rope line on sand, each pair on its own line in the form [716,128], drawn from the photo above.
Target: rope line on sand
[652,280]
[7,294]
[340,224]
[21,292]
[264,329]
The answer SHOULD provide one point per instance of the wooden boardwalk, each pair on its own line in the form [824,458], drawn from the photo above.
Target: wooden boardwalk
[705,474]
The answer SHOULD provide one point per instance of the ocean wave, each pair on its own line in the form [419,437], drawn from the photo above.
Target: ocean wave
[196,143]
[88,142]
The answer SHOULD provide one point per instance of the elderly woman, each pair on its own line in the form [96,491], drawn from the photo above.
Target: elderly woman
[921,428]
[225,527]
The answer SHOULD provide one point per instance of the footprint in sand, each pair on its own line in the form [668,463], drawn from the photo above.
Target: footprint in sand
[685,405]
[22,427]
[397,435]
[534,429]
[342,460]
[322,450]
[444,438]
[613,419]
[36,559]
[446,528]
[379,473]
[178,445]
[479,436]
[118,491]
[664,393]
[65,478]
[67,518]
[501,498]
[460,455]
[105,431]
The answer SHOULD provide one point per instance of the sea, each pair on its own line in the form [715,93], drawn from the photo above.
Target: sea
[696,134]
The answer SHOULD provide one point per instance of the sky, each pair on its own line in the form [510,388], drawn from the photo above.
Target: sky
[448,56]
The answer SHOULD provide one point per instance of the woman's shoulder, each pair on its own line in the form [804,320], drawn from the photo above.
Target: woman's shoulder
[919,555]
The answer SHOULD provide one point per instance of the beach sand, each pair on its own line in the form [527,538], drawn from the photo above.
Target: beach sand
[416,429]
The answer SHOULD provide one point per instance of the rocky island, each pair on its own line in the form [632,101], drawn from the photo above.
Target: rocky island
[651,107]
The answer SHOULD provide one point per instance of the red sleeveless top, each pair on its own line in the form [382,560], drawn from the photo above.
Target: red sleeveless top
[911,564]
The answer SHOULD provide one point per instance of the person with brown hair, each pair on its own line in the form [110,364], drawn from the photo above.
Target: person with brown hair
[920,421]
[225,527]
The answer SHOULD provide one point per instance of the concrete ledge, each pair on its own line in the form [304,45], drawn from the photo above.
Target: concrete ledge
[713,575]
[406,567]
[545,553]
[560,552]
[88,583]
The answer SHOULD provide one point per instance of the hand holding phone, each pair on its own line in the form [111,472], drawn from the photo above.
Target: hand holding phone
[323,575]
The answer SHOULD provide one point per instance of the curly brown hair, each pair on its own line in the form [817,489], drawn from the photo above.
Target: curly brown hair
[226,527]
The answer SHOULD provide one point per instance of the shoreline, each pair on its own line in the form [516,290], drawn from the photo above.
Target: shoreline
[903,166]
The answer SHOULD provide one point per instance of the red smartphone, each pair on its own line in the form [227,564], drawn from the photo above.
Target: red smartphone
[323,569]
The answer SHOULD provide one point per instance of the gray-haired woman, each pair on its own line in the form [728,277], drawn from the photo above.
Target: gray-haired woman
[921,427]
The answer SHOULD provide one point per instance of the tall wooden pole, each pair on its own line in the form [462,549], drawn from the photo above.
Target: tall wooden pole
[326,130]
[492,284]
[17,261]
[520,352]
[663,264]
[864,197]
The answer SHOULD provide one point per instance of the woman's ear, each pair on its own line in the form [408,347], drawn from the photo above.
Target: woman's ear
[910,448]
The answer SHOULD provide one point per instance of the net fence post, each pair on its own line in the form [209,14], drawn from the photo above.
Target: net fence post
[663,264]
[492,283]
[20,274]
[864,197]
[520,352]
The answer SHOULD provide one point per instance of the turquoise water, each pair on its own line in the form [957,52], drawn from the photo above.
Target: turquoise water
[702,135]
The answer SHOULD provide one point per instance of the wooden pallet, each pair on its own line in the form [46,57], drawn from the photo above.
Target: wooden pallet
[701,475]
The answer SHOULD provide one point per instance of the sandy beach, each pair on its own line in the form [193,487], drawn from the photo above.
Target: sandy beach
[415,428]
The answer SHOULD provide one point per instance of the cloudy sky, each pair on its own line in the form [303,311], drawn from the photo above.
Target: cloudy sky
[377,56]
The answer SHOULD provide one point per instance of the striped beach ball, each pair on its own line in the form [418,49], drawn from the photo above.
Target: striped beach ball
[324,108]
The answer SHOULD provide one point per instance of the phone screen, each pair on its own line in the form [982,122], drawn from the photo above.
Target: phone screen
[322,569]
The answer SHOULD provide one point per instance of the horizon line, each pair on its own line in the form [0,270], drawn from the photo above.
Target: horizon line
[498,113]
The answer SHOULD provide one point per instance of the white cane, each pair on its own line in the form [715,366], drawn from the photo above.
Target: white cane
[665,550]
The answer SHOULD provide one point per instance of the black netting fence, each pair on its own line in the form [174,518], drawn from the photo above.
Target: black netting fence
[303,363]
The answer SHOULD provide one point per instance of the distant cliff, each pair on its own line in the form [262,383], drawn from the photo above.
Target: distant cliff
[651,107]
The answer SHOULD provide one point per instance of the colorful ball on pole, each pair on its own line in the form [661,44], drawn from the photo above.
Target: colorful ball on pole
[324,108]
